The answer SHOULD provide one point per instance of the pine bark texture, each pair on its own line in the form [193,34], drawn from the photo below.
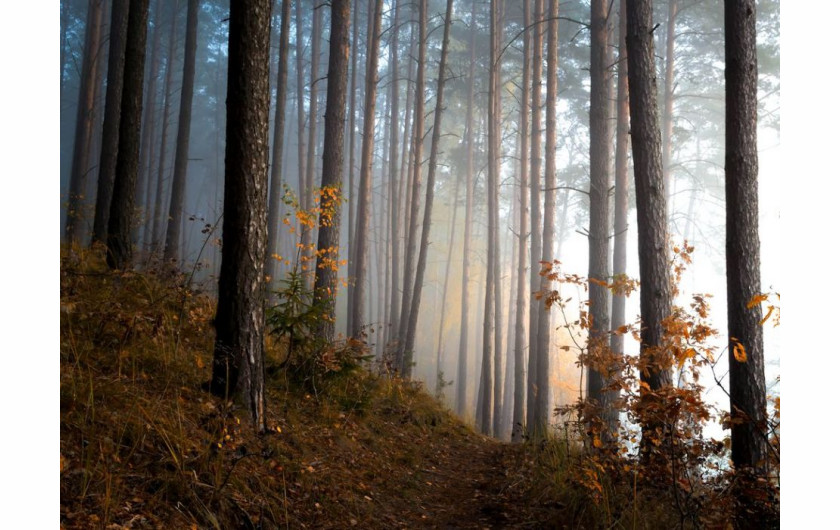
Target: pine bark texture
[668,103]
[651,207]
[118,239]
[747,392]
[111,123]
[238,357]
[329,220]
[172,249]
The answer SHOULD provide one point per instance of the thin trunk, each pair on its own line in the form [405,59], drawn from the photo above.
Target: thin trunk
[238,362]
[329,219]
[351,170]
[536,307]
[393,172]
[463,342]
[598,371]
[74,223]
[453,212]
[111,124]
[541,401]
[522,241]
[182,145]
[118,239]
[307,199]
[497,249]
[272,268]
[157,225]
[301,114]
[360,246]
[430,186]
[404,353]
[150,121]
[668,106]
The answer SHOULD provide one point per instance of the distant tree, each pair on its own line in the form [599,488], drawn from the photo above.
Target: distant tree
[668,104]
[463,341]
[747,392]
[111,124]
[430,193]
[359,248]
[329,220]
[651,208]
[394,169]
[238,356]
[171,251]
[74,224]
[274,194]
[118,241]
[306,191]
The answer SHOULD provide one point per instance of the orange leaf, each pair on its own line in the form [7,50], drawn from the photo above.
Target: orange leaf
[739,352]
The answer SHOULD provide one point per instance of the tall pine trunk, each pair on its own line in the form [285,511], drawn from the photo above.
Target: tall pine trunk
[238,356]
[182,145]
[668,105]
[118,239]
[329,219]
[306,199]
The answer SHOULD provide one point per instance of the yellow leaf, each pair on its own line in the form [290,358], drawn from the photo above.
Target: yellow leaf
[755,300]
[770,310]
[739,352]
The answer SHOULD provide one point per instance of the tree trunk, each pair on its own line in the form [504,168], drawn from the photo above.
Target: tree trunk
[157,224]
[748,404]
[404,353]
[598,372]
[147,150]
[306,199]
[182,145]
[394,172]
[360,246]
[620,224]
[463,342]
[454,213]
[541,400]
[238,362]
[522,241]
[111,124]
[536,307]
[430,186]
[329,220]
[301,114]
[275,195]
[74,223]
[651,208]
[118,239]
[351,169]
[668,104]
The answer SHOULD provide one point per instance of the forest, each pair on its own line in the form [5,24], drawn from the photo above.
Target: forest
[420,263]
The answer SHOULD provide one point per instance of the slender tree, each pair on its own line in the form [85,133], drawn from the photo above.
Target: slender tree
[522,239]
[394,170]
[536,242]
[111,124]
[147,148]
[747,392]
[118,239]
[274,195]
[238,362]
[430,194]
[182,145]
[360,246]
[651,208]
[308,188]
[463,341]
[540,426]
[599,211]
[668,103]
[329,220]
[74,224]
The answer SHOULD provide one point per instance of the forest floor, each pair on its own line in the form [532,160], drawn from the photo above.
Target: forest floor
[144,446]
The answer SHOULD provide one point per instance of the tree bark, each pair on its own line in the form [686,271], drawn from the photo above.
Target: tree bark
[668,105]
[147,150]
[275,197]
[111,124]
[536,244]
[747,392]
[395,189]
[118,239]
[360,245]
[238,356]
[351,168]
[329,219]
[306,199]
[182,145]
[651,209]
[74,223]
[541,400]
